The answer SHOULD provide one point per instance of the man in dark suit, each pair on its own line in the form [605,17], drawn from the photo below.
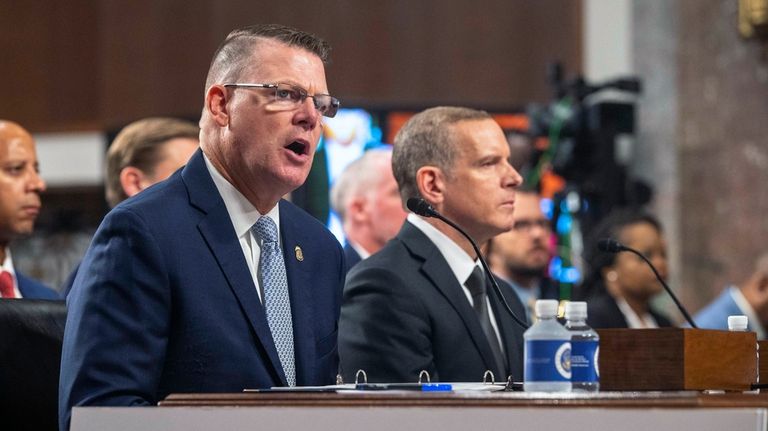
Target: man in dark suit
[422,302]
[208,281]
[366,198]
[20,188]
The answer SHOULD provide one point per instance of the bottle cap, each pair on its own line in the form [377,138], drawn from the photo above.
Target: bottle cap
[546,308]
[576,310]
[737,323]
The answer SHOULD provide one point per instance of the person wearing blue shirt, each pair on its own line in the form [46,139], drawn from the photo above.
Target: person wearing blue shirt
[749,299]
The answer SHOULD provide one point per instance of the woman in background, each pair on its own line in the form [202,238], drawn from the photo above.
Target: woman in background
[620,286]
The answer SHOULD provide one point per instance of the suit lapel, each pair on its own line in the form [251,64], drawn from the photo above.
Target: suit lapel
[216,229]
[437,270]
[299,282]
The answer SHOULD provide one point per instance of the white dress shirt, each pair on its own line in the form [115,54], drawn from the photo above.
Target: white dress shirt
[633,320]
[243,216]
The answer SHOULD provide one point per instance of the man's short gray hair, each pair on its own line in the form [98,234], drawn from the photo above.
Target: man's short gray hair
[356,178]
[426,139]
[234,54]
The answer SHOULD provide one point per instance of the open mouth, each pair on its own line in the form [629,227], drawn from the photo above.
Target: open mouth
[298,147]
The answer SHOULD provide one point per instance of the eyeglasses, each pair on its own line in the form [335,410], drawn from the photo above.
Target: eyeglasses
[527,225]
[291,96]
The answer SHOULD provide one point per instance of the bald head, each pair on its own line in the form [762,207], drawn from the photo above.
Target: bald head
[10,131]
[20,182]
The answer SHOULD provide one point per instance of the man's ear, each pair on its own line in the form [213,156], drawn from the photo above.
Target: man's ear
[356,210]
[132,180]
[216,105]
[431,183]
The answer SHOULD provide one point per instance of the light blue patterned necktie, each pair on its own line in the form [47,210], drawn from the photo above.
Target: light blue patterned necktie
[277,303]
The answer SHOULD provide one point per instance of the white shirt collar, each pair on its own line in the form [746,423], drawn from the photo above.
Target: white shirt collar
[8,263]
[633,320]
[458,260]
[746,308]
[241,211]
[363,253]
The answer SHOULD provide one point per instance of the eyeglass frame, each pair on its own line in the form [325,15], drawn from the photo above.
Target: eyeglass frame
[527,225]
[334,102]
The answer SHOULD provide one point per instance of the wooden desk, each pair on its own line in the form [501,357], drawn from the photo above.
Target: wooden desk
[373,411]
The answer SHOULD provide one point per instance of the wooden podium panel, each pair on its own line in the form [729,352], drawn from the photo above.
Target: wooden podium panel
[673,359]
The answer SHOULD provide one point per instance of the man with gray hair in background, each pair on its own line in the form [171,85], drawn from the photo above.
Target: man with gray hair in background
[366,198]
[422,302]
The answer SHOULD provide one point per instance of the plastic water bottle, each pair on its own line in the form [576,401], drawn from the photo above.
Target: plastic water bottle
[585,348]
[547,356]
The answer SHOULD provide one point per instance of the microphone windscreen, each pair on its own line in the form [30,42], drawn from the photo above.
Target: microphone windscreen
[609,245]
[419,206]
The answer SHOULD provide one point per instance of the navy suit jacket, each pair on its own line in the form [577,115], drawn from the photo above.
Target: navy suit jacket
[33,289]
[163,302]
[404,311]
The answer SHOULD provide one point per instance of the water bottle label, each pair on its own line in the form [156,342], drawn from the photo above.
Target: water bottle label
[584,365]
[547,361]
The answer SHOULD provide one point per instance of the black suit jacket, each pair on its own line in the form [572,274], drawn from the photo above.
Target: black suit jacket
[603,312]
[404,311]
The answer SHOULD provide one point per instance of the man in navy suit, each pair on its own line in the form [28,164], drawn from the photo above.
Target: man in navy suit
[208,281]
[20,188]
[423,301]
[366,198]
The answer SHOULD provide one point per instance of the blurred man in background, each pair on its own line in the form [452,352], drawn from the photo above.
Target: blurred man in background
[146,152]
[366,198]
[20,188]
[521,255]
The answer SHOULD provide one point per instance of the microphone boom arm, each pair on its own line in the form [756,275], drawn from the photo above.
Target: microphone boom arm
[423,208]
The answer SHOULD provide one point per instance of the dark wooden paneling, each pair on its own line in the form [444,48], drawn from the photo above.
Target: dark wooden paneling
[723,151]
[49,67]
[86,63]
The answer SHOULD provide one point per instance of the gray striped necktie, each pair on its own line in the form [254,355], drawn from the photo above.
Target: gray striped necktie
[277,303]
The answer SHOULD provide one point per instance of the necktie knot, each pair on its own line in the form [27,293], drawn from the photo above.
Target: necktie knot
[266,229]
[476,282]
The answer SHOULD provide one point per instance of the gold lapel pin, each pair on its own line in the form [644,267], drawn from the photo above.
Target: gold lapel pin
[299,254]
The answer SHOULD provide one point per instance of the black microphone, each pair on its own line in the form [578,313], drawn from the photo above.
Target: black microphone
[610,245]
[423,208]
